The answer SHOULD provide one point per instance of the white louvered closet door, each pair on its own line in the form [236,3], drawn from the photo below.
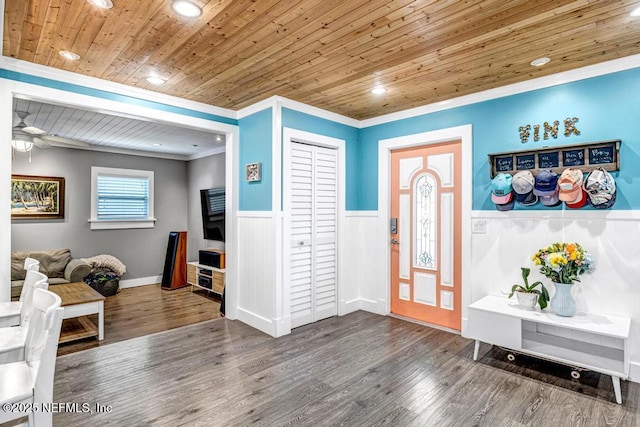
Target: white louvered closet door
[314,207]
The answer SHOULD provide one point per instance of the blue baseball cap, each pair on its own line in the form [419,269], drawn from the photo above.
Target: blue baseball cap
[546,183]
[501,189]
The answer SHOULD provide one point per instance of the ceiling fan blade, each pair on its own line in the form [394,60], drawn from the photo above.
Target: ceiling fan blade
[40,143]
[59,141]
[33,130]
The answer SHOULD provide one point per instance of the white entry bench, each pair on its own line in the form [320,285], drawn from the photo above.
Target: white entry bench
[596,342]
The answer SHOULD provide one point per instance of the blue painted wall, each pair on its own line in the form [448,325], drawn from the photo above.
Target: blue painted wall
[608,108]
[256,134]
[308,123]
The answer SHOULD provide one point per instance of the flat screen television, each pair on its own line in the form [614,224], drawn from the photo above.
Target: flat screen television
[212,202]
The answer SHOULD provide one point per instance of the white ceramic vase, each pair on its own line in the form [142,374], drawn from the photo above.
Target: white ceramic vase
[527,300]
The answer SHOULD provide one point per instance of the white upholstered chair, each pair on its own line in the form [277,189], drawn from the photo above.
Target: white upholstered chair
[10,311]
[31,381]
[12,339]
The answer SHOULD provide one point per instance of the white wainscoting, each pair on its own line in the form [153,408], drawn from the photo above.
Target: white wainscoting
[360,266]
[612,238]
[256,271]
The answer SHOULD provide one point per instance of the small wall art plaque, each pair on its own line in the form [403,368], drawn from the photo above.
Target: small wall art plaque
[253,172]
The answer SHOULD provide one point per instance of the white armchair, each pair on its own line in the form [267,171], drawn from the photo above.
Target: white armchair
[30,382]
[12,339]
[10,311]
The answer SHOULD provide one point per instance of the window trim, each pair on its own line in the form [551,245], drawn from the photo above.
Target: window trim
[111,224]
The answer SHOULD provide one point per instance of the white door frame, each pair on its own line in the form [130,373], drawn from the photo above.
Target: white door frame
[462,133]
[290,135]
[10,89]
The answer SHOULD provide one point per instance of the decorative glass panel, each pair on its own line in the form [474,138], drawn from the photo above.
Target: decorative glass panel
[425,195]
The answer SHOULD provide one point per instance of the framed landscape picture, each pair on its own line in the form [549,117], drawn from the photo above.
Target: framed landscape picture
[39,197]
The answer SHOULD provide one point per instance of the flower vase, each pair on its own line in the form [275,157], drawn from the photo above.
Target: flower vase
[562,302]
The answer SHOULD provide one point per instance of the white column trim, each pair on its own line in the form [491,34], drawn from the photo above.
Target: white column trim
[6,112]
[276,207]
[464,134]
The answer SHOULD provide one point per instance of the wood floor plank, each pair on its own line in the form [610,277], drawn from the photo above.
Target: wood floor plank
[143,310]
[358,369]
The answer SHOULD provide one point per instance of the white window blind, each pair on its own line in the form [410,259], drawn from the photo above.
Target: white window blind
[121,198]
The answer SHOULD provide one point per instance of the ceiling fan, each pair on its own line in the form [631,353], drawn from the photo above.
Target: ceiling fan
[24,137]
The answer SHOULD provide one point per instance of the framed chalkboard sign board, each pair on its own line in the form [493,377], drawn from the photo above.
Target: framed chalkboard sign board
[525,162]
[573,157]
[504,164]
[548,160]
[601,155]
[587,156]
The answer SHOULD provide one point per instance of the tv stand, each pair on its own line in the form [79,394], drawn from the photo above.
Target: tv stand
[595,342]
[201,275]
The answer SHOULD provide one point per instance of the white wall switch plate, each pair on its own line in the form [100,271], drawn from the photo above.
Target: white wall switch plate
[478,226]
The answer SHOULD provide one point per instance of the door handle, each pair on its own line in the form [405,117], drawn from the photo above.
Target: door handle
[395,241]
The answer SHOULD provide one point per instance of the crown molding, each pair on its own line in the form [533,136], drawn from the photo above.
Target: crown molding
[212,152]
[317,112]
[43,71]
[254,108]
[583,73]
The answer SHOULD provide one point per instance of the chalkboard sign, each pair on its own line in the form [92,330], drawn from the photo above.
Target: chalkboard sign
[548,160]
[586,156]
[600,155]
[504,164]
[525,162]
[573,157]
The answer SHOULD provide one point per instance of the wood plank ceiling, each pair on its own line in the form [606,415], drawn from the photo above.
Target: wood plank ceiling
[326,53]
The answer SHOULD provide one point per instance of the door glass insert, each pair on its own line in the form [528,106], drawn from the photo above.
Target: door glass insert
[425,195]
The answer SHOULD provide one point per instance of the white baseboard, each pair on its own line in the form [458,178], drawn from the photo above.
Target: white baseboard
[141,281]
[350,306]
[282,325]
[256,321]
[369,305]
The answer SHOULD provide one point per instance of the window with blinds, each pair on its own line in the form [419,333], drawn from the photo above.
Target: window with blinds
[121,198]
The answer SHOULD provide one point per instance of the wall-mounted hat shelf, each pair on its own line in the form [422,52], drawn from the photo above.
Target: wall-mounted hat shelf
[587,156]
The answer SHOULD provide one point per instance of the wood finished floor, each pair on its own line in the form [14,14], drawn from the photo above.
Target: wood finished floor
[144,310]
[359,369]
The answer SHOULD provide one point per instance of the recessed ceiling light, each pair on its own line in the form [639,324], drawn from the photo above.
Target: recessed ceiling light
[186,8]
[69,55]
[539,62]
[102,4]
[635,12]
[378,90]
[155,144]
[155,80]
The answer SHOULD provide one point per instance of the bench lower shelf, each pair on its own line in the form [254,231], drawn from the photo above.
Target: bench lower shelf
[77,328]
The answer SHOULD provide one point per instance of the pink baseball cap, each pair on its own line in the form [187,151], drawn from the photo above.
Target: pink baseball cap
[570,185]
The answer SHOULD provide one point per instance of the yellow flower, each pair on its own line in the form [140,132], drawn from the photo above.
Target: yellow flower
[556,259]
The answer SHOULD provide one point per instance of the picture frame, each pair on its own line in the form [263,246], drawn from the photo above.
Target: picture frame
[253,172]
[37,197]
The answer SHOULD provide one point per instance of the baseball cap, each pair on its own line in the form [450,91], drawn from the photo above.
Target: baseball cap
[570,185]
[601,188]
[522,184]
[551,200]
[546,183]
[501,189]
[506,206]
[580,202]
[530,199]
